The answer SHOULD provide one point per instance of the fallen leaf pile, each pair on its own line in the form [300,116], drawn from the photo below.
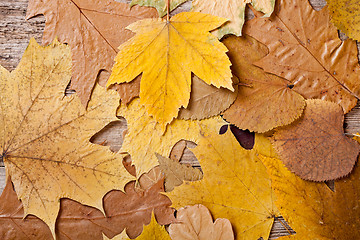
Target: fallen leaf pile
[261,113]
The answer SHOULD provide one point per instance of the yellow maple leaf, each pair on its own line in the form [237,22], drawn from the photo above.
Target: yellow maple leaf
[145,137]
[44,136]
[166,53]
[235,186]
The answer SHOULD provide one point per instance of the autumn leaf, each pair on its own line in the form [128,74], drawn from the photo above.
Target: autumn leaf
[229,188]
[175,172]
[160,5]
[154,231]
[315,147]
[130,209]
[121,236]
[233,10]
[45,135]
[93,29]
[12,222]
[145,136]
[207,101]
[265,101]
[312,209]
[305,49]
[345,16]
[166,53]
[195,222]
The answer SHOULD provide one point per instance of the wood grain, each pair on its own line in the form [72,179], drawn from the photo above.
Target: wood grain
[15,33]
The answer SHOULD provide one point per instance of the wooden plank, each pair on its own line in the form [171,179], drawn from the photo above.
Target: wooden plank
[15,33]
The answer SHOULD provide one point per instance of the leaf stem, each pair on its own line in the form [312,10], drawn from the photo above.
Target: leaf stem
[352,134]
[168,10]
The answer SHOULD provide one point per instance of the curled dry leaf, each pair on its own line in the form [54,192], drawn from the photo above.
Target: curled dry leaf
[145,136]
[315,147]
[233,10]
[195,222]
[175,172]
[345,16]
[166,52]
[160,5]
[312,209]
[305,49]
[229,187]
[206,100]
[93,29]
[130,209]
[266,101]
[44,138]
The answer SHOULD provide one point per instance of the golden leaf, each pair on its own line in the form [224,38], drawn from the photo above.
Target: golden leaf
[145,136]
[153,231]
[234,10]
[166,53]
[312,209]
[345,16]
[44,138]
[235,186]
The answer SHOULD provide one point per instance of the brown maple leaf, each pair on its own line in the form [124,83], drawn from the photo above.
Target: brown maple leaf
[315,147]
[305,49]
[94,30]
[130,209]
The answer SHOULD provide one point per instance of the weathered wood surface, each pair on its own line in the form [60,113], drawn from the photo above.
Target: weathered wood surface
[15,33]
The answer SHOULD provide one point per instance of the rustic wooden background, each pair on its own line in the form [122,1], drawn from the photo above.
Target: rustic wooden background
[15,33]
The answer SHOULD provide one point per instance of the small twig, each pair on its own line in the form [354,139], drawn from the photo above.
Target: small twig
[256,13]
[352,134]
[168,11]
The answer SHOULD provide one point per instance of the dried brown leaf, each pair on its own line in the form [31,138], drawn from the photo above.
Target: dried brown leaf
[206,100]
[130,209]
[266,101]
[305,49]
[93,29]
[315,147]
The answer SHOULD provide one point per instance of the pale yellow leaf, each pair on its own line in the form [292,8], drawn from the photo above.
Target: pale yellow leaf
[175,172]
[160,5]
[44,136]
[235,186]
[145,136]
[195,222]
[166,53]
[234,10]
